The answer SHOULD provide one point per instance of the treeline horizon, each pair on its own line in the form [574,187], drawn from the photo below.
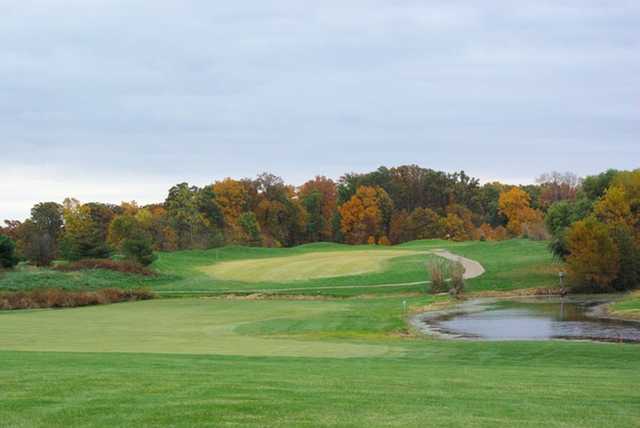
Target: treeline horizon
[385,206]
[382,207]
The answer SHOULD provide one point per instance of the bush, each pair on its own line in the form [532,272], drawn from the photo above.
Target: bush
[446,277]
[139,250]
[57,298]
[439,270]
[456,286]
[8,257]
[384,241]
[535,231]
[124,266]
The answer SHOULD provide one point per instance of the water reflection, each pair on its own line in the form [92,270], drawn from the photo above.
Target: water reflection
[533,319]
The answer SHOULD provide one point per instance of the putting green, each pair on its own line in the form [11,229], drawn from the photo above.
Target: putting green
[184,326]
[305,266]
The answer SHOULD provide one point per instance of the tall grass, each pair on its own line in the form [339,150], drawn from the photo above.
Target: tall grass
[57,298]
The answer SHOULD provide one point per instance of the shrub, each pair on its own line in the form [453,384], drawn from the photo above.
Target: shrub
[384,241]
[500,233]
[439,270]
[8,257]
[57,298]
[456,286]
[139,250]
[535,231]
[124,266]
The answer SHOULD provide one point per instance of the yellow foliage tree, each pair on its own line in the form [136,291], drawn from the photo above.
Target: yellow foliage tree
[614,207]
[594,256]
[454,227]
[232,195]
[515,205]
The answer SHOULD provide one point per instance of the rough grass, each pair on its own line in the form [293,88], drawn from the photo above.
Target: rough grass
[350,368]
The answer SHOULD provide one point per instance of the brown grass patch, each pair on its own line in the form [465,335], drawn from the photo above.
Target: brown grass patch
[124,266]
[57,298]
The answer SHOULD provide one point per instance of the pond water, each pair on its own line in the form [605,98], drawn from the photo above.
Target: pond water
[530,319]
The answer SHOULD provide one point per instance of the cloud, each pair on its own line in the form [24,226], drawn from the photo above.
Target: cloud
[130,94]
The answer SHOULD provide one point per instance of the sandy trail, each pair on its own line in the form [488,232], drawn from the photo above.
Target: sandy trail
[472,268]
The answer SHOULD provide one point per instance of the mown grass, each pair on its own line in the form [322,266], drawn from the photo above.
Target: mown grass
[296,363]
[510,265]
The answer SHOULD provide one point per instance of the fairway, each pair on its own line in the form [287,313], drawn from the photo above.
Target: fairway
[305,266]
[191,326]
[227,362]
[306,360]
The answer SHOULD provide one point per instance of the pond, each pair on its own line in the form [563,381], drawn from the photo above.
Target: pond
[539,318]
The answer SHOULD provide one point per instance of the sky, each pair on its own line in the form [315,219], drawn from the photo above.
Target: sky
[119,100]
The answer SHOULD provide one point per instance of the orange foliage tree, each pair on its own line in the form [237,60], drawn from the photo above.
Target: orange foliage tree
[232,195]
[515,205]
[364,214]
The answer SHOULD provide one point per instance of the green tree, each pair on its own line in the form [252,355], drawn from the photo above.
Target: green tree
[251,228]
[8,257]
[139,250]
[424,223]
[84,233]
[38,237]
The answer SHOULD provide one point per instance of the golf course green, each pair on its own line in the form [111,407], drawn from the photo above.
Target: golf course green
[307,350]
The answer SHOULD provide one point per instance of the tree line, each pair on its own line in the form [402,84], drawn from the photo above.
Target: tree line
[382,207]
[597,232]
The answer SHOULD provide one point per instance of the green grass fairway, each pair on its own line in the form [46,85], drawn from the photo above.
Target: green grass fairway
[305,266]
[328,269]
[191,326]
[296,363]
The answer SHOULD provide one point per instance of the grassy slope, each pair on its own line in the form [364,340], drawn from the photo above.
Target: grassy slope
[629,307]
[510,265]
[415,382]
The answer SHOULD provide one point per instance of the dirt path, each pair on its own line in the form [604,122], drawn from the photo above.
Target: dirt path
[472,269]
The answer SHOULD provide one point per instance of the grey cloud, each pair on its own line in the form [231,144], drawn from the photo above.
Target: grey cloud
[196,90]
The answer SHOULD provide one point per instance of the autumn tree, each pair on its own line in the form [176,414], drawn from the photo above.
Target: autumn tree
[556,186]
[281,215]
[453,227]
[489,196]
[365,214]
[319,198]
[514,204]
[399,230]
[424,223]
[38,237]
[594,258]
[84,232]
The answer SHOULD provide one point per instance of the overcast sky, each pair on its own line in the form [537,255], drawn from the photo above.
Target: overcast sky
[119,100]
